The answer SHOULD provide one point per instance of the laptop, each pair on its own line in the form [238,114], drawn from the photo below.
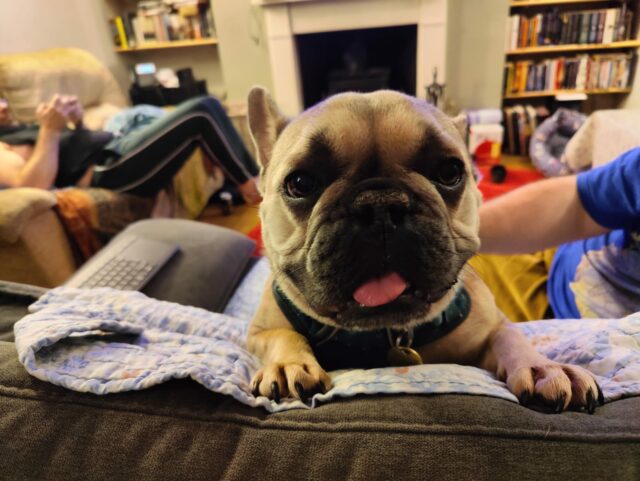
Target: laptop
[128,263]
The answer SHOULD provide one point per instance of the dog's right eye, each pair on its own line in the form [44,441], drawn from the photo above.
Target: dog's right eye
[300,184]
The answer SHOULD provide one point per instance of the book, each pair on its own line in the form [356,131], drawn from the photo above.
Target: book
[128,29]
[574,35]
[115,35]
[137,30]
[609,25]
[584,28]
[593,27]
[121,32]
[600,27]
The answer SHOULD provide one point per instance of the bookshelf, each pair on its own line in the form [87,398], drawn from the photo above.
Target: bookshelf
[553,93]
[626,44]
[558,47]
[170,44]
[144,25]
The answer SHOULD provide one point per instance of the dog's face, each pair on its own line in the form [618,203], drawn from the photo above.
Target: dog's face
[370,206]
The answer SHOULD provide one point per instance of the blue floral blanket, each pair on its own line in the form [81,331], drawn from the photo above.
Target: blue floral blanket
[106,341]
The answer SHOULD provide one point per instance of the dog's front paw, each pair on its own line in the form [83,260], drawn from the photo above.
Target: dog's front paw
[297,380]
[555,387]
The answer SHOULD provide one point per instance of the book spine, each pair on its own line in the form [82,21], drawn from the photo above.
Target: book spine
[128,28]
[600,27]
[609,25]
[508,38]
[584,29]
[121,32]
[575,26]
[115,36]
[515,26]
[593,27]
[137,30]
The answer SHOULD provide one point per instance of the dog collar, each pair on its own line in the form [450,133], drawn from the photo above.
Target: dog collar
[337,348]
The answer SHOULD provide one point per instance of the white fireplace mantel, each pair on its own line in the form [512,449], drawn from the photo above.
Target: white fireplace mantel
[286,18]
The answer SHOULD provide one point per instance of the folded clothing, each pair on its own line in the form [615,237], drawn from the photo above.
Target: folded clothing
[106,341]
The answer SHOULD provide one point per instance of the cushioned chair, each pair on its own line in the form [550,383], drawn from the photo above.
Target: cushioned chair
[34,246]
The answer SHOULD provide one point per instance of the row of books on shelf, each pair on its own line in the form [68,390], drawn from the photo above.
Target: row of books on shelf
[584,72]
[519,123]
[163,21]
[562,28]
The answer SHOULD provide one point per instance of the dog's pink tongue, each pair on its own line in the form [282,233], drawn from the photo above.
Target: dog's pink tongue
[380,291]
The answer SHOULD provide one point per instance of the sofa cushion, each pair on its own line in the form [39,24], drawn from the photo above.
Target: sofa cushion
[182,431]
[27,79]
[18,206]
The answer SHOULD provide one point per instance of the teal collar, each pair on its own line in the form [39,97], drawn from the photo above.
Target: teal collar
[338,348]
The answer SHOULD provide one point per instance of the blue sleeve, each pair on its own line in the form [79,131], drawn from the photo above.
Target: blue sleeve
[611,193]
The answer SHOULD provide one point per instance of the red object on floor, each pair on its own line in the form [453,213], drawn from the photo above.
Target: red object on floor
[516,177]
[256,235]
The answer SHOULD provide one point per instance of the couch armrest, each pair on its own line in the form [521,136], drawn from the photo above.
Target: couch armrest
[18,206]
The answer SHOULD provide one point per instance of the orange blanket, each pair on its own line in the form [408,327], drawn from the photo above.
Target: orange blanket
[92,217]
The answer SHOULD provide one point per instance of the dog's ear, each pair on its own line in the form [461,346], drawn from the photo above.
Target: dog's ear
[266,123]
[460,122]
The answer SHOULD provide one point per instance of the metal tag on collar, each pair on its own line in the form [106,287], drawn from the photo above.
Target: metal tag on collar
[402,355]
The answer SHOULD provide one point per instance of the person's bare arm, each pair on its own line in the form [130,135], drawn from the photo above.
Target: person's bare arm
[41,168]
[534,217]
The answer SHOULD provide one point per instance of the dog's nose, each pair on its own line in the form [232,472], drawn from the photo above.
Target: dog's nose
[386,207]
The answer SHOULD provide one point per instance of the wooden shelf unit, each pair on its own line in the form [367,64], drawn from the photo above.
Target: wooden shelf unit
[553,93]
[626,44]
[520,7]
[171,44]
[550,3]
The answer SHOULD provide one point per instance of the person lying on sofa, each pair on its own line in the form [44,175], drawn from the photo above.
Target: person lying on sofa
[140,162]
[594,218]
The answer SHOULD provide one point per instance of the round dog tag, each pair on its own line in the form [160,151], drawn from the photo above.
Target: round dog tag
[403,356]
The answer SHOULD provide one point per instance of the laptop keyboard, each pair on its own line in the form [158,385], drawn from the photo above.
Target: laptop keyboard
[123,274]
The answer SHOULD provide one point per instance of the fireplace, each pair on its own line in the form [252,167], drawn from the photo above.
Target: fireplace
[417,28]
[357,60]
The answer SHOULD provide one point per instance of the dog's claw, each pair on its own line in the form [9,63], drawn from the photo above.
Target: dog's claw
[600,395]
[559,403]
[591,402]
[255,389]
[275,391]
[525,397]
[300,390]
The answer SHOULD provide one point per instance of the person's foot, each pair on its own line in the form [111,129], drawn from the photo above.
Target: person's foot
[250,192]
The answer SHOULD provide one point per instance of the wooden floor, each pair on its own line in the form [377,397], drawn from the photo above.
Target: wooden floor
[243,218]
[516,161]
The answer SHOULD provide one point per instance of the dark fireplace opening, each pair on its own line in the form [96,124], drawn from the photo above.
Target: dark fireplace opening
[357,60]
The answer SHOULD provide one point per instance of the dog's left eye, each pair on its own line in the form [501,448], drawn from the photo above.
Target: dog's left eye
[449,172]
[300,184]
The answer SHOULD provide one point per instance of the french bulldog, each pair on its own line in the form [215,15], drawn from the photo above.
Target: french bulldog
[369,216]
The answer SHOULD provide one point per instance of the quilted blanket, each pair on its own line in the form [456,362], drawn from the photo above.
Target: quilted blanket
[106,341]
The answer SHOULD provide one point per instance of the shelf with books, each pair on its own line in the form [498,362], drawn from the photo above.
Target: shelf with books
[545,3]
[553,93]
[587,47]
[625,44]
[169,44]
[160,24]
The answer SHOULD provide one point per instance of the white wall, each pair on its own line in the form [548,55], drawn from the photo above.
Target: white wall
[29,25]
[475,52]
[633,99]
[243,50]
